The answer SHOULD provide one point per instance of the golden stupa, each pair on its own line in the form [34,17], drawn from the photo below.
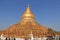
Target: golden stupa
[27,25]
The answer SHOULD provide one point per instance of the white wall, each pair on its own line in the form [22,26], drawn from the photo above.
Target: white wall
[19,39]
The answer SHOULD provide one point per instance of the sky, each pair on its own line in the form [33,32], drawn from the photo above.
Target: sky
[47,12]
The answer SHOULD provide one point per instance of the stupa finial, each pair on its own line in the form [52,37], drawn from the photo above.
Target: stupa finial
[28,5]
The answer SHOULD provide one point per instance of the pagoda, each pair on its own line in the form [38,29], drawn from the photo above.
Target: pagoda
[26,26]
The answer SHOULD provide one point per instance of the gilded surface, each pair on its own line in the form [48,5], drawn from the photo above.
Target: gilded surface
[25,26]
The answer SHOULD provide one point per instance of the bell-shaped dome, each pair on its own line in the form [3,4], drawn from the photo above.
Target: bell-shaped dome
[28,14]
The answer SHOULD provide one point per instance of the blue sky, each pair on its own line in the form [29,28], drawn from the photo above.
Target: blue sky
[47,12]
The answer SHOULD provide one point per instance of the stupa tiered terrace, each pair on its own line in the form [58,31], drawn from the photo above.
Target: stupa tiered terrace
[27,26]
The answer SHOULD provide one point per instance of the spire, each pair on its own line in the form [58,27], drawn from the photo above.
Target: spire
[28,14]
[28,9]
[28,5]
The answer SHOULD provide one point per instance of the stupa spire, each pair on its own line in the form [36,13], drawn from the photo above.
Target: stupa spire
[28,8]
[28,5]
[28,14]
